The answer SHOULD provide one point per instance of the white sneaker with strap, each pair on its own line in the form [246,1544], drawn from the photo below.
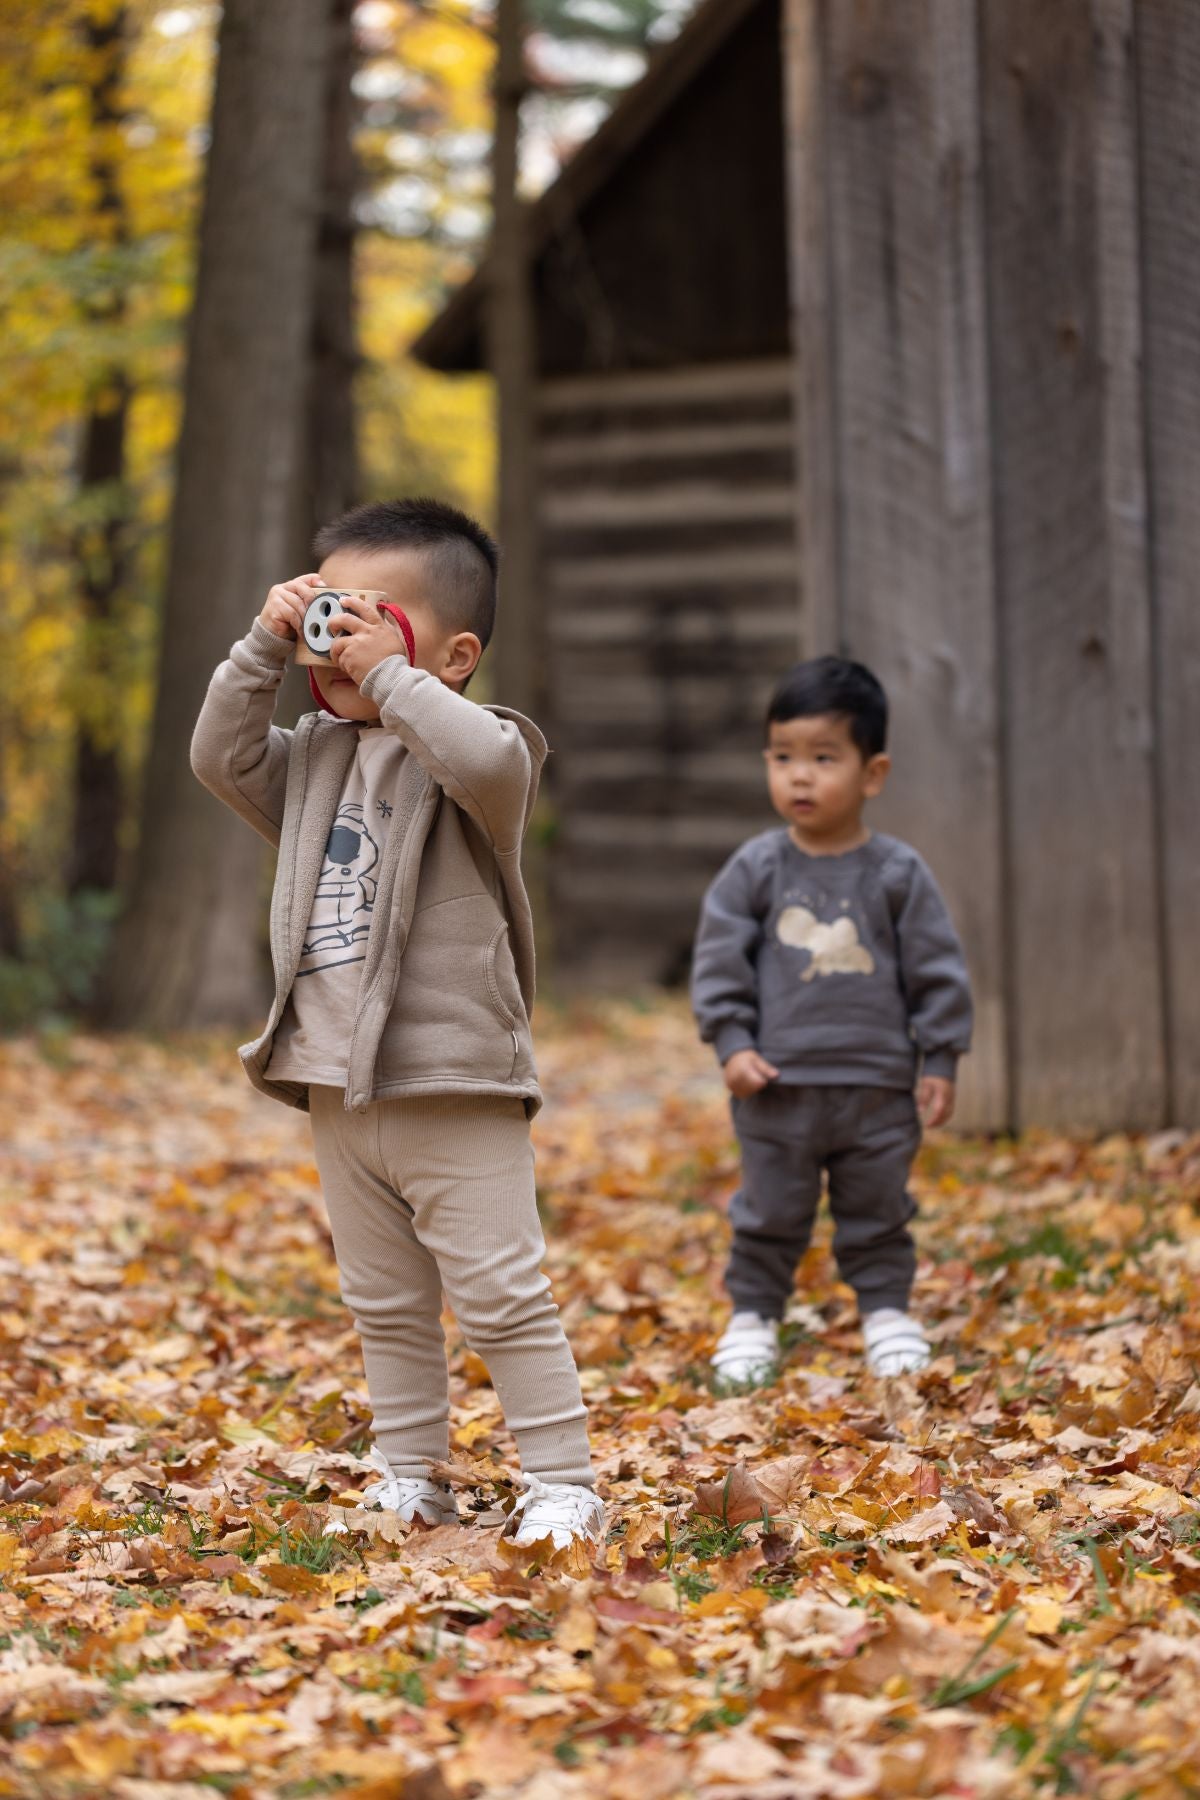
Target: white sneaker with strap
[410,1496]
[748,1351]
[894,1342]
[557,1510]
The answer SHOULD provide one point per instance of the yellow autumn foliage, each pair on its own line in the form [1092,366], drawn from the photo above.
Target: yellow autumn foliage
[63,254]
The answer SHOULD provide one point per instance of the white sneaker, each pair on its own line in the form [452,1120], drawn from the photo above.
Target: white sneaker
[894,1342]
[410,1496]
[557,1510]
[748,1351]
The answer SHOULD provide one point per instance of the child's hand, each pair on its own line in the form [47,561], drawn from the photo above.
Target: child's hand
[371,637]
[935,1099]
[287,604]
[748,1073]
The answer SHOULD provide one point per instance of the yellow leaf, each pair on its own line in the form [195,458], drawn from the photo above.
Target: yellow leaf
[292,1578]
[228,1728]
[576,1630]
[102,1754]
[471,1433]
[1042,1615]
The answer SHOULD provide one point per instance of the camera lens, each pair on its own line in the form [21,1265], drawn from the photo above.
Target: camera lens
[326,608]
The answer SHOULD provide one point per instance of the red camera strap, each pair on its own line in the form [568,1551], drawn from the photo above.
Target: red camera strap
[410,644]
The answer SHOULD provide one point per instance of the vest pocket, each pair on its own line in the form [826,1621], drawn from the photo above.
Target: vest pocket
[500,974]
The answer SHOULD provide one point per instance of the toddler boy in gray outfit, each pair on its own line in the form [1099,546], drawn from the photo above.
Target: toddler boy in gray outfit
[831,983]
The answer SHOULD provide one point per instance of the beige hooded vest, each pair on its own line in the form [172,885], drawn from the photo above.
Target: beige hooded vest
[447,984]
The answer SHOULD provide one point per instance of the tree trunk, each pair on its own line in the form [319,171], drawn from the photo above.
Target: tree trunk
[187,951]
[331,483]
[519,656]
[100,538]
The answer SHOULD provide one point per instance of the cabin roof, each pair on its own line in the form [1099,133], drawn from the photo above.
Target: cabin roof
[453,338]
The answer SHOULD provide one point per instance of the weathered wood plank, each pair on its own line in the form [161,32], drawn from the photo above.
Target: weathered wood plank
[688,442]
[1168,63]
[674,503]
[735,569]
[695,703]
[769,627]
[657,387]
[669,541]
[620,832]
[774,408]
[917,602]
[693,768]
[643,603]
[739,471]
[601,888]
[1063,295]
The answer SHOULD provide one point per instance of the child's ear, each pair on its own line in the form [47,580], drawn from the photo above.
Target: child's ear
[875,775]
[462,657]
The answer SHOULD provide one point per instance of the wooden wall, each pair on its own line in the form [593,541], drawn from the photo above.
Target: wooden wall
[669,570]
[681,256]
[996,280]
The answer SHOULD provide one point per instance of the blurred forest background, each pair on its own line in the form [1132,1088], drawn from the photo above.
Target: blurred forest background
[856,325]
[106,124]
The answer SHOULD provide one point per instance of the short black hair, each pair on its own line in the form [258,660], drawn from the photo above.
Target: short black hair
[843,689]
[462,558]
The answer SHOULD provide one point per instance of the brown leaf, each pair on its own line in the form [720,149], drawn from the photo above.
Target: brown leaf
[783,1484]
[735,1499]
[931,1522]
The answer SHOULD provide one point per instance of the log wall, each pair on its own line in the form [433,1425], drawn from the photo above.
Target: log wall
[669,570]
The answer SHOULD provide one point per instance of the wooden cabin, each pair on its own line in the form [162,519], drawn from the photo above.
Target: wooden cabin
[876,326]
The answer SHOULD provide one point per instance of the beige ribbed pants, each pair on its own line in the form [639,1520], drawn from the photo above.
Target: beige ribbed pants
[438,1193]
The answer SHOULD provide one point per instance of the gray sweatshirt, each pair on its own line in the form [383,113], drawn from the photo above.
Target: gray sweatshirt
[838,969]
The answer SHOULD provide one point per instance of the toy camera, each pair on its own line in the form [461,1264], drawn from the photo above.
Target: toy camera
[316,638]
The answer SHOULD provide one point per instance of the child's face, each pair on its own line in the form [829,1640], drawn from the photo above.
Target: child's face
[819,780]
[400,574]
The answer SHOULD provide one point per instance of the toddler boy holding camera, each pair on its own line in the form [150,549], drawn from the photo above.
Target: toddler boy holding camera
[829,979]
[402,945]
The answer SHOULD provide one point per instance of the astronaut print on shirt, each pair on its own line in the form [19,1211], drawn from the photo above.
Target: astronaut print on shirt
[345,896]
[833,949]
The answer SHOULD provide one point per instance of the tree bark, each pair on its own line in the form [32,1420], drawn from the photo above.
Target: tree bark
[331,477]
[187,951]
[520,654]
[330,481]
[99,544]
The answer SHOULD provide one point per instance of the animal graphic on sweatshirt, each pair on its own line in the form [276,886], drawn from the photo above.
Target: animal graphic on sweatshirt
[341,915]
[834,949]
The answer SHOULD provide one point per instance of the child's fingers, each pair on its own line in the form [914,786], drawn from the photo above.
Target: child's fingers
[302,588]
[366,610]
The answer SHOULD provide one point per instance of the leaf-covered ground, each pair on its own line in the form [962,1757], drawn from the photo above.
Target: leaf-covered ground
[983,1582]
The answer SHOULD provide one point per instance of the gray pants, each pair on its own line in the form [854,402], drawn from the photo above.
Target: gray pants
[865,1139]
